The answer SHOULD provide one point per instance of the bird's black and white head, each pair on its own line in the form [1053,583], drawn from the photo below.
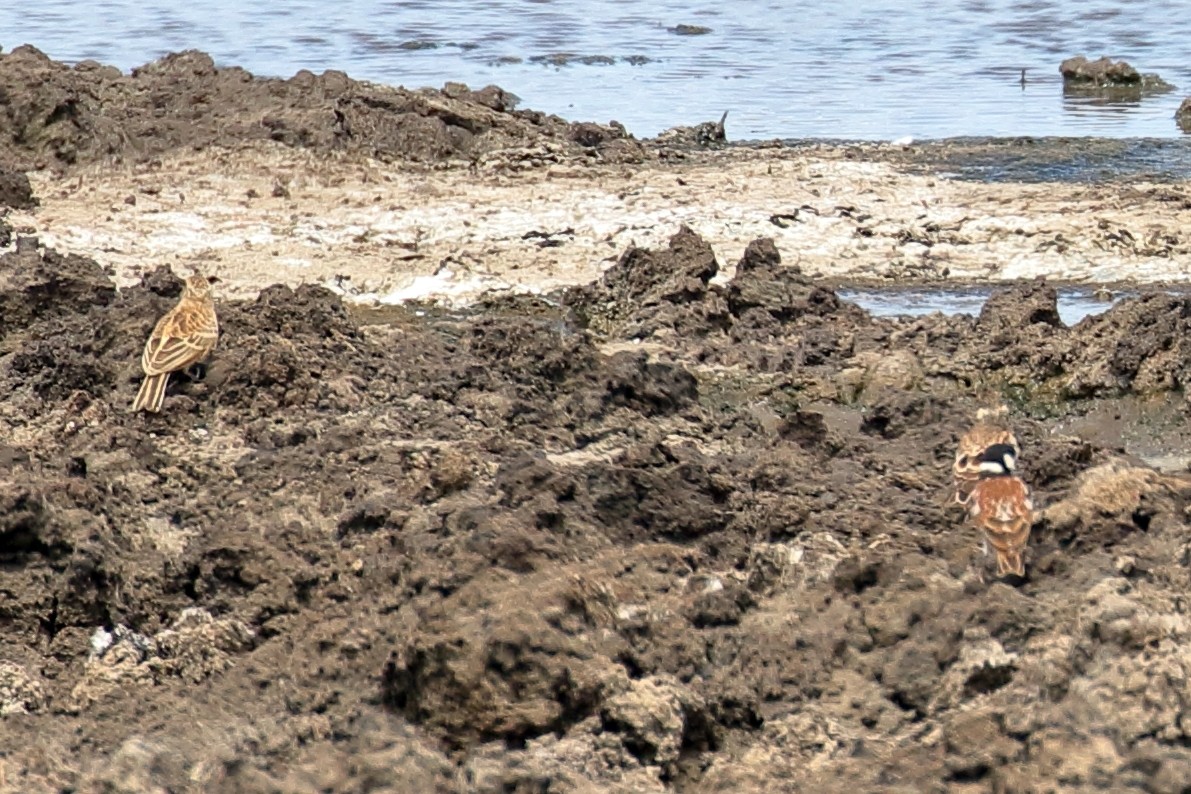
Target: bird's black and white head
[997,460]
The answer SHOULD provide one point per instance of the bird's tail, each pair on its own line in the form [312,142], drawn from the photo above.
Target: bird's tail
[1009,561]
[151,394]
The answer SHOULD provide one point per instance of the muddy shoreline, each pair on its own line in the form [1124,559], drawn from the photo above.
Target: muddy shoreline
[381,232]
[385,194]
[679,522]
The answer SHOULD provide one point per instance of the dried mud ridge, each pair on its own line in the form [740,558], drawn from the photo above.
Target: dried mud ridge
[54,116]
[661,536]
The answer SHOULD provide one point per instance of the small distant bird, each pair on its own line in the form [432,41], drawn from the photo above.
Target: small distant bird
[1000,506]
[182,338]
[990,430]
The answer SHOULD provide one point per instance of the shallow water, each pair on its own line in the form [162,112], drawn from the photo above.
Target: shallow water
[1075,303]
[1091,160]
[858,69]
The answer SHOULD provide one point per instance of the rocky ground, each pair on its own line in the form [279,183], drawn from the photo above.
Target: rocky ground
[683,526]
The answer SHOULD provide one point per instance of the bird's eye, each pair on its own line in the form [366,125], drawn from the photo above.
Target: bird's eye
[963,460]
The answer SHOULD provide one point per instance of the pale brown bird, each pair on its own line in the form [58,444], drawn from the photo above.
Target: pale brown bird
[183,337]
[989,431]
[1000,506]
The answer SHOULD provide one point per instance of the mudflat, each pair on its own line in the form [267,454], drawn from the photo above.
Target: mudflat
[639,504]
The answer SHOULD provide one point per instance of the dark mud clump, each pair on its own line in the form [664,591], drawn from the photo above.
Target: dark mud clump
[37,284]
[15,193]
[15,190]
[1183,115]
[641,294]
[1099,73]
[709,133]
[55,115]
[671,535]
[1115,80]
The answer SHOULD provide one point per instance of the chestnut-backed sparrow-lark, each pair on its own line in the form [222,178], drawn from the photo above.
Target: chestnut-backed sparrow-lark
[1000,506]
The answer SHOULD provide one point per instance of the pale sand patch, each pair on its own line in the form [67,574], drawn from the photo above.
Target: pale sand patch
[393,232]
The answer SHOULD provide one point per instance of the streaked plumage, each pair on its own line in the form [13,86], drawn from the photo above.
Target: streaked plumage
[183,337]
[987,432]
[1000,506]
